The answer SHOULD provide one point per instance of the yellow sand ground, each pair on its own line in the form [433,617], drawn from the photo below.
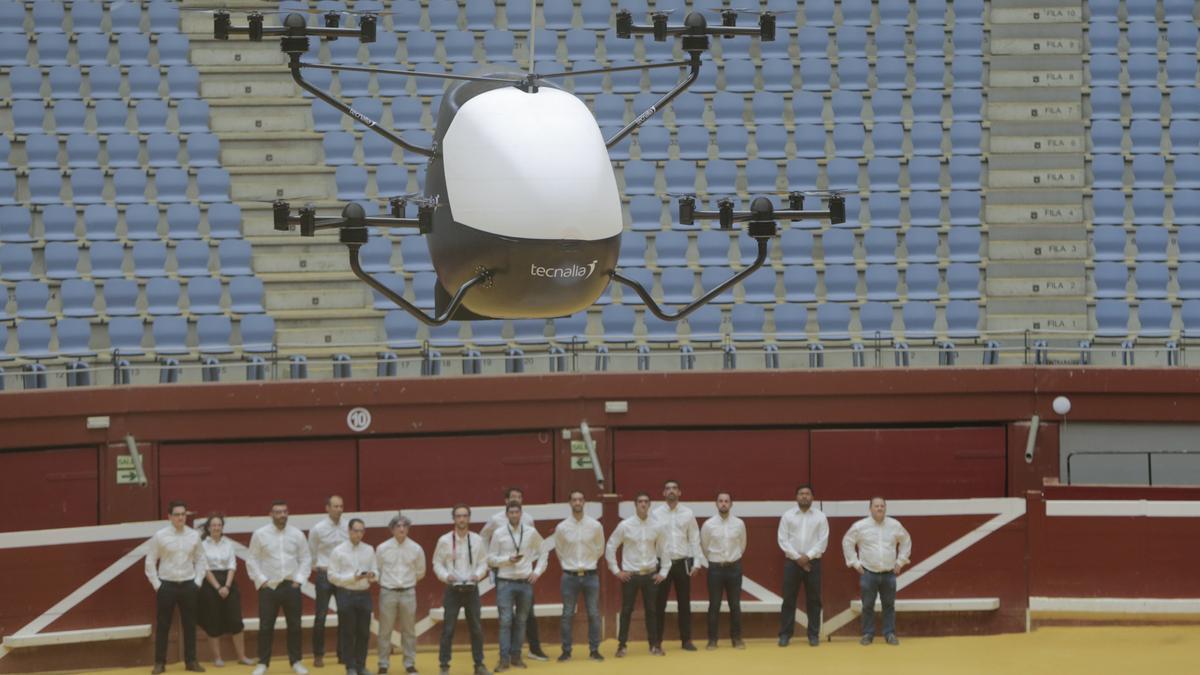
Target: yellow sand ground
[1046,651]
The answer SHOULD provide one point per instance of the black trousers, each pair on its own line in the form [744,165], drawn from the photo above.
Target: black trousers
[354,627]
[793,576]
[287,597]
[325,590]
[173,594]
[629,590]
[465,598]
[678,577]
[725,579]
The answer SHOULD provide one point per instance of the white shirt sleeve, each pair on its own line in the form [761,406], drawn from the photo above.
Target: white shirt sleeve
[543,554]
[152,563]
[693,535]
[440,553]
[848,543]
[610,551]
[905,546]
[784,537]
[419,563]
[305,566]
[822,537]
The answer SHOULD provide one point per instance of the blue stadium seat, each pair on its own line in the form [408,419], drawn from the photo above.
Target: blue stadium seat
[1188,278]
[1181,37]
[885,210]
[16,262]
[41,151]
[16,223]
[1112,318]
[922,245]
[33,340]
[800,283]
[213,334]
[170,187]
[99,222]
[841,283]
[962,281]
[879,246]
[875,319]
[151,116]
[125,336]
[78,297]
[1154,319]
[25,82]
[14,50]
[791,322]
[141,222]
[1105,103]
[918,319]
[1148,207]
[62,260]
[338,147]
[183,221]
[720,177]
[212,185]
[654,143]
[257,333]
[1149,171]
[162,150]
[1151,242]
[1111,279]
[149,259]
[963,244]
[203,293]
[164,16]
[107,259]
[962,319]
[1185,136]
[709,279]
[173,49]
[234,257]
[33,298]
[883,174]
[771,141]
[921,281]
[1109,243]
[246,295]
[967,105]
[169,335]
[83,151]
[838,246]
[1152,279]
[1187,172]
[882,281]
[692,143]
[1108,207]
[926,139]
[1141,70]
[678,286]
[815,74]
[45,186]
[86,17]
[849,139]
[833,321]
[671,249]
[162,297]
[842,174]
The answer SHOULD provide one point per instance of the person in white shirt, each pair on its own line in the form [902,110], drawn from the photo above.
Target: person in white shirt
[723,541]
[401,565]
[644,565]
[220,601]
[496,523]
[278,563]
[322,539]
[460,562]
[352,569]
[883,549]
[579,542]
[681,540]
[803,537]
[516,555]
[173,561]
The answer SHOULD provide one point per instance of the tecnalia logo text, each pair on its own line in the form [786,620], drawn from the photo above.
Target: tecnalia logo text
[566,272]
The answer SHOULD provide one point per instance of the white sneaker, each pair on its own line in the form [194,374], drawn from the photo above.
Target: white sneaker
[260,669]
[299,669]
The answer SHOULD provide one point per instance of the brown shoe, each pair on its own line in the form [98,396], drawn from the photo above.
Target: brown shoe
[657,651]
[501,666]
[739,644]
[318,661]
[194,667]
[518,662]
[159,668]
[620,652]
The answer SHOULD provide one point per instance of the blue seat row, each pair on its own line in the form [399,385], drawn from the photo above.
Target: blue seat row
[108,260]
[104,222]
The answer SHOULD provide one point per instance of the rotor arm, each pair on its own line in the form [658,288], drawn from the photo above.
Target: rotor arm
[695,29]
[693,73]
[223,27]
[352,217]
[762,211]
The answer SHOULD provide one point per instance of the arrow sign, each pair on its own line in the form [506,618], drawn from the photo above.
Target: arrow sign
[127,477]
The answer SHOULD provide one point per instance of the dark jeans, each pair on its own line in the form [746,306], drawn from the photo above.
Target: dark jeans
[325,590]
[629,591]
[793,576]
[170,594]
[287,596]
[354,627]
[572,585]
[531,627]
[678,577]
[882,584]
[514,602]
[727,579]
[452,600]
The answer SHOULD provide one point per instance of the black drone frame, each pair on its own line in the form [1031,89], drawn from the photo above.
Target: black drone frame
[353,222]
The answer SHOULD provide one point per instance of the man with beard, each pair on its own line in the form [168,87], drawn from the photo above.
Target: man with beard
[278,564]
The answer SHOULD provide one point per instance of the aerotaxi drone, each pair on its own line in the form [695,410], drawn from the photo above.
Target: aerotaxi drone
[521,209]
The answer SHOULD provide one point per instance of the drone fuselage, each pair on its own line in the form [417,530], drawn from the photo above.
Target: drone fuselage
[525,190]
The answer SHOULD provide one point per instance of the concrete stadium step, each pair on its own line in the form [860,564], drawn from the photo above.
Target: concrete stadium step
[1034,39]
[236,51]
[1036,71]
[1058,104]
[274,149]
[1037,138]
[1037,171]
[333,333]
[260,115]
[1036,279]
[306,258]
[1044,317]
[1037,12]
[1041,207]
[267,183]
[295,296]
[1039,243]
[238,81]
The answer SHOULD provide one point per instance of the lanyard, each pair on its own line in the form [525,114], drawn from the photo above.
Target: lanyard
[454,549]
[514,539]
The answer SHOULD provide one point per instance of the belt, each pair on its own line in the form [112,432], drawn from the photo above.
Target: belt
[725,564]
[398,590]
[874,572]
[579,573]
[646,571]
[515,581]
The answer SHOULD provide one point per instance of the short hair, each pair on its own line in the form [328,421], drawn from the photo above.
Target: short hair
[672,480]
[509,490]
[454,509]
[329,499]
[350,525]
[176,503]
[398,520]
[513,504]
[204,534]
[727,493]
[880,498]
[640,495]
[279,502]
[804,486]
[572,494]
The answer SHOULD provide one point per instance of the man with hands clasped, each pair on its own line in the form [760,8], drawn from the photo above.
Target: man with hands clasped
[803,537]
[352,570]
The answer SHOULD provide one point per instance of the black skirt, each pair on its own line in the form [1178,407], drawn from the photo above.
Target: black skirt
[220,616]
